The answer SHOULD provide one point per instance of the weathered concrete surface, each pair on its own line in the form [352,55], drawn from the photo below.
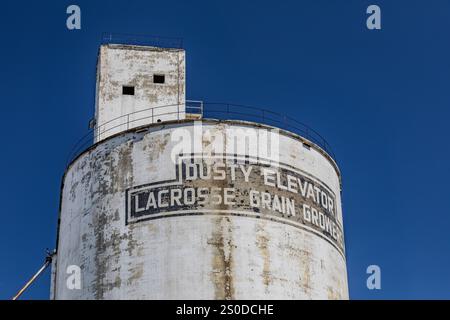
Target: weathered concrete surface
[125,65]
[209,251]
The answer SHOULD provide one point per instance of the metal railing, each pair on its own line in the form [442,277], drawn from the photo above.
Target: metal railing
[197,110]
[142,40]
[267,117]
[147,116]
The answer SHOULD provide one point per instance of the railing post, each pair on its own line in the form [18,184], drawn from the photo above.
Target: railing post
[128,121]
[152,117]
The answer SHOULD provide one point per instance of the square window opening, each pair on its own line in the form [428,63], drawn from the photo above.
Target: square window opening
[128,90]
[159,78]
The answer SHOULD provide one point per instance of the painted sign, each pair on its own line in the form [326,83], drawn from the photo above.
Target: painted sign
[229,185]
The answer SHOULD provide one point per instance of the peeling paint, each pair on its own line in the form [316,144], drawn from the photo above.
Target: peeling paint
[222,256]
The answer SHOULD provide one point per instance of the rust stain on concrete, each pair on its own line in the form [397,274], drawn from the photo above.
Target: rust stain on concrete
[222,263]
[262,240]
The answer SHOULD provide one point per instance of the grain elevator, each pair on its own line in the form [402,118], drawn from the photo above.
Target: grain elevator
[179,199]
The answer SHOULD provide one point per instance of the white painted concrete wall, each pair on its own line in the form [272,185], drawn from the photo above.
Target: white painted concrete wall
[126,65]
[212,255]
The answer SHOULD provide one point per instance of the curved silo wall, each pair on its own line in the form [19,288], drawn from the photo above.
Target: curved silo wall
[146,215]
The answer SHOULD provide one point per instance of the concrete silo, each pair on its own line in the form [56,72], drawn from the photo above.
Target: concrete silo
[171,204]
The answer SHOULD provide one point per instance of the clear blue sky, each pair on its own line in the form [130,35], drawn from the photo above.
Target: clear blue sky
[381,98]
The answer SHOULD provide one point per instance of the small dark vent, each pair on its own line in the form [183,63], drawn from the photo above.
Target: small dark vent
[128,91]
[159,78]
